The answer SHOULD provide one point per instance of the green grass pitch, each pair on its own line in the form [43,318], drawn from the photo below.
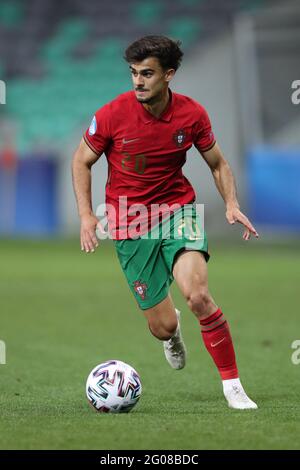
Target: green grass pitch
[63,312]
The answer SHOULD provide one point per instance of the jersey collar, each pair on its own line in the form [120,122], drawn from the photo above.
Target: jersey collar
[165,116]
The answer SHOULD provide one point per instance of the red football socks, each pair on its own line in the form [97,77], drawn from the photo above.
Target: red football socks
[218,342]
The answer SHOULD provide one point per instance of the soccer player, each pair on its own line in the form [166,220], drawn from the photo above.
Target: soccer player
[145,134]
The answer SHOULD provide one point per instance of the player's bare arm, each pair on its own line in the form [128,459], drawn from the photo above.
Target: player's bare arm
[83,160]
[225,183]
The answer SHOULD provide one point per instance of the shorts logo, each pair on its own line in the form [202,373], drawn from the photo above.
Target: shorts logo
[140,288]
[93,126]
[179,137]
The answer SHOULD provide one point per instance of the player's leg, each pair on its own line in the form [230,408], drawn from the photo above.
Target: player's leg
[164,323]
[190,273]
[149,279]
[162,319]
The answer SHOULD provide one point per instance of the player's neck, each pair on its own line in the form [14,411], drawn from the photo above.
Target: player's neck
[158,106]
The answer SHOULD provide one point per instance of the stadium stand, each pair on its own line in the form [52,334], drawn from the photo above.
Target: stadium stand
[52,52]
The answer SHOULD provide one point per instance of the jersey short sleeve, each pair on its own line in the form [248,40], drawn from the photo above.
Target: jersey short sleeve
[98,136]
[204,138]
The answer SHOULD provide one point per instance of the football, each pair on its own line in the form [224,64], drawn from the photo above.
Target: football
[113,387]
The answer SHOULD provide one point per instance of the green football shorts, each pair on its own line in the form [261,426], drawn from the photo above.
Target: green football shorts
[148,261]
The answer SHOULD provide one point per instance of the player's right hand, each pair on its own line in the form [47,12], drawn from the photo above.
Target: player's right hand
[88,239]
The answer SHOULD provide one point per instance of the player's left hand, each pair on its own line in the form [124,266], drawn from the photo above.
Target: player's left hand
[233,214]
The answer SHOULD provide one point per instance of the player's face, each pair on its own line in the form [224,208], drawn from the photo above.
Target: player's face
[150,81]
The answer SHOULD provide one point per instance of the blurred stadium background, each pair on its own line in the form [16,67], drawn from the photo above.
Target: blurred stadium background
[59,62]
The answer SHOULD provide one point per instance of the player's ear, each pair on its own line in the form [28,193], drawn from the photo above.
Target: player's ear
[169,74]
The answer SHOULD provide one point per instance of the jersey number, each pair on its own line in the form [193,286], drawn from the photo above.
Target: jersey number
[189,228]
[135,163]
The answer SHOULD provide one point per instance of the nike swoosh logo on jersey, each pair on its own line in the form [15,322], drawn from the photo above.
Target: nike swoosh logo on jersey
[130,140]
[213,345]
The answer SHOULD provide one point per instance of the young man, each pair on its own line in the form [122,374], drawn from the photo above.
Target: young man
[145,135]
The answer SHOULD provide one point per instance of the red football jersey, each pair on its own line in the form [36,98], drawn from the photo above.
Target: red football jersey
[145,156]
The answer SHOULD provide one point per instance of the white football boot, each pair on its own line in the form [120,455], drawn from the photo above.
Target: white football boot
[175,350]
[236,396]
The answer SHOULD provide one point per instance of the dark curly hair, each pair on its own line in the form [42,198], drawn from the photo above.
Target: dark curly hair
[164,49]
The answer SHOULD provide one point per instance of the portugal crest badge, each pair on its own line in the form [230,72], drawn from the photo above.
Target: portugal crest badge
[179,137]
[140,288]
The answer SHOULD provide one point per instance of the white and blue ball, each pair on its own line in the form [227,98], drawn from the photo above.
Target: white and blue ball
[113,387]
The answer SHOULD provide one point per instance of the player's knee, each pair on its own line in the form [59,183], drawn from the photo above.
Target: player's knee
[199,301]
[163,331]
